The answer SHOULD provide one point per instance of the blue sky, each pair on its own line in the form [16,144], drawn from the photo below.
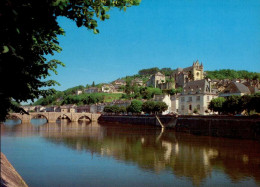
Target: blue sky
[223,34]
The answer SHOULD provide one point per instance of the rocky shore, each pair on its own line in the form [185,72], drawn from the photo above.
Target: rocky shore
[9,176]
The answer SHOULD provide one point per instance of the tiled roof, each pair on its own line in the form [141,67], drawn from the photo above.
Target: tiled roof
[236,87]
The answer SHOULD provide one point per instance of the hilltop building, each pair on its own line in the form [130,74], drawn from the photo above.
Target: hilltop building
[185,75]
[156,79]
[179,77]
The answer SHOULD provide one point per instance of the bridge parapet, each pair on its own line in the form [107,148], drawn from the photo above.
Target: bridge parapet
[52,117]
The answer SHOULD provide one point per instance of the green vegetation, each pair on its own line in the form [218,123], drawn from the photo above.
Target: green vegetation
[151,71]
[141,92]
[236,104]
[115,109]
[61,98]
[232,74]
[135,107]
[29,32]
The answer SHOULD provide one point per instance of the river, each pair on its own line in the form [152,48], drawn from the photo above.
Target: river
[92,154]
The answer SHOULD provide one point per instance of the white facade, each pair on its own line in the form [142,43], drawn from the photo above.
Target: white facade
[200,101]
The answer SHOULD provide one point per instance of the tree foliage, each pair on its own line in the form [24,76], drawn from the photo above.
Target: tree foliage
[29,32]
[154,107]
[236,104]
[135,106]
[151,71]
[216,104]
[232,74]
[114,109]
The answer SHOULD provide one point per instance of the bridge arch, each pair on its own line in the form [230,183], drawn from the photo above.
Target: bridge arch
[63,116]
[38,115]
[82,116]
[11,116]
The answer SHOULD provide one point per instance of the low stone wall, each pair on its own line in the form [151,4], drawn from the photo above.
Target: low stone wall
[242,127]
[230,127]
[9,176]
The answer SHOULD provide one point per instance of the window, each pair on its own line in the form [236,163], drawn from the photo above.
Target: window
[198,107]
[198,98]
[182,99]
[198,74]
[190,99]
[190,107]
[182,107]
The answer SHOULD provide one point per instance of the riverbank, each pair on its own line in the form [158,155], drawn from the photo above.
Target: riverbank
[9,176]
[241,127]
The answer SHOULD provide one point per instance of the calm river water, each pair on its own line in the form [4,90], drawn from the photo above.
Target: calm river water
[92,154]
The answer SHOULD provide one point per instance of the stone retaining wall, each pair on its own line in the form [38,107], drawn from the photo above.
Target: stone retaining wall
[242,127]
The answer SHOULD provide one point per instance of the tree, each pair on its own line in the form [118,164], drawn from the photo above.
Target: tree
[148,107]
[29,32]
[233,105]
[135,106]
[217,104]
[93,84]
[160,107]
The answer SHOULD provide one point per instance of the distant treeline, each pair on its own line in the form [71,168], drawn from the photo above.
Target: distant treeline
[150,71]
[217,74]
[232,74]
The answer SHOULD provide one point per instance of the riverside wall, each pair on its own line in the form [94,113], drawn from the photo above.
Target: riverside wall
[241,127]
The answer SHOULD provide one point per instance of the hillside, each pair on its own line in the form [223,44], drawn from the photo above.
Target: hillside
[69,96]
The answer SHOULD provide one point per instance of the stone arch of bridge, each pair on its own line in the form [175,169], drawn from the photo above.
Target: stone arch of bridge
[38,115]
[83,115]
[16,116]
[63,116]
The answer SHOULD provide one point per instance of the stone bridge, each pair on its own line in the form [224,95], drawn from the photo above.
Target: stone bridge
[53,116]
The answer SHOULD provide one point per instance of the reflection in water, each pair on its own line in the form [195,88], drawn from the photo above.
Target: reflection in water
[155,150]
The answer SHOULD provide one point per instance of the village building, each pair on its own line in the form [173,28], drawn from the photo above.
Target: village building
[92,90]
[108,88]
[235,88]
[29,108]
[119,82]
[196,96]
[137,81]
[68,108]
[175,104]
[53,109]
[156,79]
[78,92]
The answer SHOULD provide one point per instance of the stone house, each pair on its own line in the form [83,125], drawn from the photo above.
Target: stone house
[68,108]
[53,109]
[108,88]
[137,81]
[196,95]
[78,92]
[156,79]
[174,103]
[92,90]
[235,88]
[85,108]
[119,82]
